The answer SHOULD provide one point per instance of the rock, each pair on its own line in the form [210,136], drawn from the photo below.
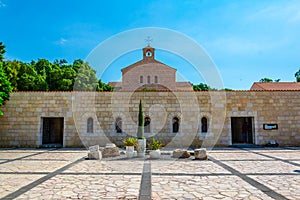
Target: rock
[96,155]
[110,152]
[200,154]
[108,145]
[94,148]
[178,153]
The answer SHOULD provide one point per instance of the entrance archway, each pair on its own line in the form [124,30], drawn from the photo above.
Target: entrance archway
[242,130]
[53,131]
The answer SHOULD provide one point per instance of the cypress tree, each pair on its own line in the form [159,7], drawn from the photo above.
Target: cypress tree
[140,133]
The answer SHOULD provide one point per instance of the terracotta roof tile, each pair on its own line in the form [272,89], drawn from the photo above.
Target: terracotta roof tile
[276,86]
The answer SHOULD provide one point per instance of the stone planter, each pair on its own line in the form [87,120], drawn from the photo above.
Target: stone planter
[141,147]
[155,154]
[129,151]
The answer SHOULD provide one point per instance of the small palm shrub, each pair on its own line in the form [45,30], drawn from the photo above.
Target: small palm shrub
[155,144]
[131,141]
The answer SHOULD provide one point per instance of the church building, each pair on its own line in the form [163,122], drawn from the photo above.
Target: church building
[268,113]
[149,74]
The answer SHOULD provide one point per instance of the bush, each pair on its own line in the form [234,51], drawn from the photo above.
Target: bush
[155,144]
[130,141]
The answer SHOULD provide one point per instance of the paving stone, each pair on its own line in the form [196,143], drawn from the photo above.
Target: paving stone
[111,178]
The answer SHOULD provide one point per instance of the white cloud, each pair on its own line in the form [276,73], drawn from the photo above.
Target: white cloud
[2,4]
[288,11]
[61,41]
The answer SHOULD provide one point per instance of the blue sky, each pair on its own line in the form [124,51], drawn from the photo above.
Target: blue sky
[247,40]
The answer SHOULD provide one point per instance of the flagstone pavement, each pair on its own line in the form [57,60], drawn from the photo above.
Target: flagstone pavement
[229,173]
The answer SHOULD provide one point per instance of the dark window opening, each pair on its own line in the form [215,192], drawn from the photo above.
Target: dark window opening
[141,79]
[147,125]
[175,123]
[90,125]
[204,125]
[155,79]
[118,125]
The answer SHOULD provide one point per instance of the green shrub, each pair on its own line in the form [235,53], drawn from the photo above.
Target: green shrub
[131,141]
[155,144]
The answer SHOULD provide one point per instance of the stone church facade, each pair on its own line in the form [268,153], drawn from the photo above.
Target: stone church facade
[150,74]
[181,118]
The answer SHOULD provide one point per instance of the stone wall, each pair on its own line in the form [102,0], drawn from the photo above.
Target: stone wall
[21,124]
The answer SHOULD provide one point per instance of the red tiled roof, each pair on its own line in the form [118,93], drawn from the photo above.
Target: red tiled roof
[275,86]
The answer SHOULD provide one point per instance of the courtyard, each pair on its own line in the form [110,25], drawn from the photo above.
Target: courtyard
[229,173]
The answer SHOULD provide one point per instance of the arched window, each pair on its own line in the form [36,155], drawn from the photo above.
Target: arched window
[175,124]
[204,125]
[90,125]
[155,79]
[147,125]
[148,79]
[118,125]
[141,79]
[148,53]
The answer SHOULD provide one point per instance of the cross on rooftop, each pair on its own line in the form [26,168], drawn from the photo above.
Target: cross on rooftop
[148,40]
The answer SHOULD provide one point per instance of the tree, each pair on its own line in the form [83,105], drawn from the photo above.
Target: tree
[266,80]
[26,77]
[140,133]
[86,77]
[12,68]
[297,75]
[2,52]
[201,87]
[5,87]
[104,87]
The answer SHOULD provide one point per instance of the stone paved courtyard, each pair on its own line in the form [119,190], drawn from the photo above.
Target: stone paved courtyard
[229,173]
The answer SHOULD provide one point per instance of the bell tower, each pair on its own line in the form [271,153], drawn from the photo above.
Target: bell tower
[148,53]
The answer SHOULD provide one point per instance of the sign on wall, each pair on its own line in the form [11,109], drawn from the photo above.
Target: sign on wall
[270,126]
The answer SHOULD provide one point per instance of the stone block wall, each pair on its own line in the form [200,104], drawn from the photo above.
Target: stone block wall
[21,124]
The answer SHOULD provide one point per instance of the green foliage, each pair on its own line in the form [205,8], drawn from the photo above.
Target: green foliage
[155,144]
[57,76]
[104,87]
[5,87]
[2,52]
[131,141]
[140,133]
[267,80]
[297,76]
[202,87]
[86,78]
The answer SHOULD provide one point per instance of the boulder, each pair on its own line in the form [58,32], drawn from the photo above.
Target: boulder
[200,154]
[110,152]
[178,153]
[94,153]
